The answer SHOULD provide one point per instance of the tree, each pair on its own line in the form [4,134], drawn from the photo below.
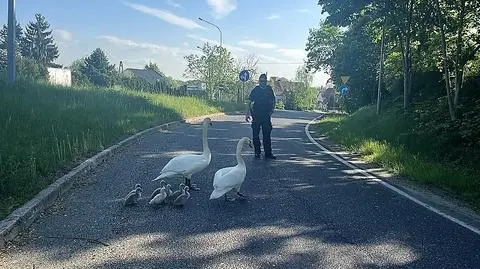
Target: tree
[77,68]
[458,22]
[321,45]
[3,43]
[215,67]
[403,19]
[98,69]
[153,67]
[299,94]
[174,83]
[38,43]
[249,63]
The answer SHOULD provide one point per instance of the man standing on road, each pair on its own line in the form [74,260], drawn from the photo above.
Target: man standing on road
[260,106]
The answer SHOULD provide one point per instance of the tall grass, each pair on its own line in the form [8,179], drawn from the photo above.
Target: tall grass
[45,129]
[381,140]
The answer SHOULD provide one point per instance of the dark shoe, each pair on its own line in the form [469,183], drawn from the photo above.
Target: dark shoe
[258,156]
[271,157]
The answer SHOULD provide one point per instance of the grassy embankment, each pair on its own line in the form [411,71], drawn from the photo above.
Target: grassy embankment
[391,141]
[45,130]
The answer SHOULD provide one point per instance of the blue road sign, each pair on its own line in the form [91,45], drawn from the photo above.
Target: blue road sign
[344,90]
[244,75]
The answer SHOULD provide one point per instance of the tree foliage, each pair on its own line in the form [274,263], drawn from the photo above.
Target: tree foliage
[431,67]
[216,67]
[415,30]
[38,43]
[154,67]
[299,93]
[4,43]
[97,69]
[35,49]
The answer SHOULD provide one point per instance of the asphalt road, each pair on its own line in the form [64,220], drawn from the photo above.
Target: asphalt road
[305,210]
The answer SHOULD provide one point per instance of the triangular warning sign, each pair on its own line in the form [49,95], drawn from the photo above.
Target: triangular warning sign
[344,79]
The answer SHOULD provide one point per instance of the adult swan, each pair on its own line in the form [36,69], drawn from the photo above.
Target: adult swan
[229,178]
[186,165]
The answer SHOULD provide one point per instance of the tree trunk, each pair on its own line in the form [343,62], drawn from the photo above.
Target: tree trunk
[405,44]
[458,55]
[445,63]
[408,58]
[380,75]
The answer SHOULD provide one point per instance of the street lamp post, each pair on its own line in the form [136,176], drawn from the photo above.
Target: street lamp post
[12,25]
[214,26]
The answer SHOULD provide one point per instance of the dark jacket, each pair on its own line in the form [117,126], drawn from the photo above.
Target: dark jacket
[263,101]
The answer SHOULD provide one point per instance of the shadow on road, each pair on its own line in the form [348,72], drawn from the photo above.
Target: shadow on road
[304,210]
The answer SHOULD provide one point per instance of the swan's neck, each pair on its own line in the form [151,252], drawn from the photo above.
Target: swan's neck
[239,154]
[206,149]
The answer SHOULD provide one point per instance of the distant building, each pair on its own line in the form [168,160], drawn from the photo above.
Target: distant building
[59,76]
[149,75]
[192,88]
[279,86]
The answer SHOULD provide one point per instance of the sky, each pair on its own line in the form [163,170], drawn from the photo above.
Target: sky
[164,31]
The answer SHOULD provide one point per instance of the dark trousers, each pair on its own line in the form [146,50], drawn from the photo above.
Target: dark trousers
[263,122]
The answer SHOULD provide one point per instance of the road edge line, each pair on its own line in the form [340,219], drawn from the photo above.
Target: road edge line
[383,183]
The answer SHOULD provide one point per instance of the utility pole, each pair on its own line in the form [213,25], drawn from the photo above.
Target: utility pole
[12,25]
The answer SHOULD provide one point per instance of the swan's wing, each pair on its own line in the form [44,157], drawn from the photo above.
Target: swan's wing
[180,164]
[225,181]
[220,174]
[228,177]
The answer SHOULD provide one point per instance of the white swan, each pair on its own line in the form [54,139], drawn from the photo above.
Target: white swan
[229,178]
[188,164]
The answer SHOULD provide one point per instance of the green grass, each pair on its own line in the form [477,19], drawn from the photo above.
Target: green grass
[382,140]
[45,130]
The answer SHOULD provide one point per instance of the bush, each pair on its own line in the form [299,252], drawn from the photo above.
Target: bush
[300,98]
[280,105]
[30,69]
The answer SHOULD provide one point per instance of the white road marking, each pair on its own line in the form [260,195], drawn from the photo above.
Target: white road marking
[385,184]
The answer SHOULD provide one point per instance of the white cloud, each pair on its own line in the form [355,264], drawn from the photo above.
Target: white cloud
[273,17]
[257,44]
[268,59]
[222,8]
[154,48]
[173,3]
[233,49]
[64,35]
[303,10]
[298,54]
[165,15]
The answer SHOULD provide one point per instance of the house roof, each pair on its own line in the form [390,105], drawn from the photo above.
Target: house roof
[147,74]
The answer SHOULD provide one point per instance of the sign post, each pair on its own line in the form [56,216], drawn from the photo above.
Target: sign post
[244,76]
[344,88]
[345,79]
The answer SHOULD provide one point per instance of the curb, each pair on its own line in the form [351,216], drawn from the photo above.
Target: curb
[22,217]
